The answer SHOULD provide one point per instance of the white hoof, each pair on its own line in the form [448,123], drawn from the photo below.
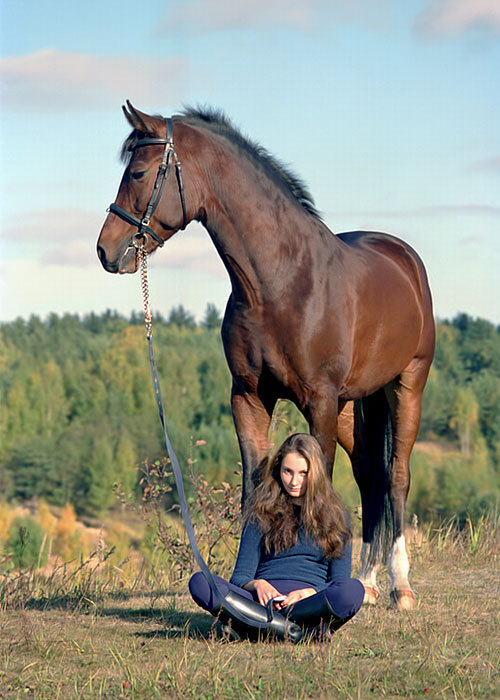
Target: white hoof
[371,596]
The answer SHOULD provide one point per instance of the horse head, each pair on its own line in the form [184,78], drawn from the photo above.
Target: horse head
[150,204]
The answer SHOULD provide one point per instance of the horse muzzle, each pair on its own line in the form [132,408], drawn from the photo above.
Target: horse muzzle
[125,262]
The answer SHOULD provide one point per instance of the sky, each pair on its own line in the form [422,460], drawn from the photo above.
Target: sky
[389,111]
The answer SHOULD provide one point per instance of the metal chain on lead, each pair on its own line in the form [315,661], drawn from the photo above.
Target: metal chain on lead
[143,262]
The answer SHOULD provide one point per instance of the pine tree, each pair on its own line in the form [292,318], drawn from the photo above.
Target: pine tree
[97,479]
[464,418]
[212,319]
[180,317]
[125,460]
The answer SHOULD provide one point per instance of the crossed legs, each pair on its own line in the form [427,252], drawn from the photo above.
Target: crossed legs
[344,597]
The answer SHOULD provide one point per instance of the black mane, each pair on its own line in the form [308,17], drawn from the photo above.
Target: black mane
[218,122]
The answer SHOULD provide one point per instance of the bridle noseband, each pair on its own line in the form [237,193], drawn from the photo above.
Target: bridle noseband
[169,153]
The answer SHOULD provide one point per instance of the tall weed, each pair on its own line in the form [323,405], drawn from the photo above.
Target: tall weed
[215,512]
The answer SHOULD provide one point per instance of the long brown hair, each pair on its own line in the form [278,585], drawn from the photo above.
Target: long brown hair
[324,515]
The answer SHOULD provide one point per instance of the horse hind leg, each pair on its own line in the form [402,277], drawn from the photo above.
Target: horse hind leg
[368,576]
[404,396]
[364,431]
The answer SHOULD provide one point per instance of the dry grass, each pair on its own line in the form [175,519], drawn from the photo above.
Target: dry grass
[147,643]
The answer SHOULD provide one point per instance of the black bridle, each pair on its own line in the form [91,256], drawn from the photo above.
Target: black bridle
[169,154]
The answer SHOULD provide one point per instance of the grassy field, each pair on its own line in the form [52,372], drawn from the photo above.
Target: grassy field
[85,639]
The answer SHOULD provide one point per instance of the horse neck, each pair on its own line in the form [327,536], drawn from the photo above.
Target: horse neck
[258,229]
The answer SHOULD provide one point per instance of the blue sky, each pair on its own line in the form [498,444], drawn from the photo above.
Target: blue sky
[388,110]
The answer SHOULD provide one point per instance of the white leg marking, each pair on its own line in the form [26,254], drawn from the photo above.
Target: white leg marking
[399,565]
[368,574]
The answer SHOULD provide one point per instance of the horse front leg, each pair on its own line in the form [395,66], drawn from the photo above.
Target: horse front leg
[321,414]
[251,419]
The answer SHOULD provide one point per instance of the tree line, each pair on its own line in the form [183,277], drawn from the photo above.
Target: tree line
[77,413]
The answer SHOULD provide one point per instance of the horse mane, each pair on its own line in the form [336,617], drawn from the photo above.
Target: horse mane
[217,122]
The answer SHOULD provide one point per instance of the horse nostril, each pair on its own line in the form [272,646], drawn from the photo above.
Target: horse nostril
[108,265]
[101,254]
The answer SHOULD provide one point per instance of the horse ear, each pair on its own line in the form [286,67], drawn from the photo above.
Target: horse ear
[141,121]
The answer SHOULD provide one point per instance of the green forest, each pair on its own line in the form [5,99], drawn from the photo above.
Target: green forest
[77,413]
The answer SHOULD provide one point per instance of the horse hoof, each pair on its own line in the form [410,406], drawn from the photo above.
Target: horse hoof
[371,596]
[403,599]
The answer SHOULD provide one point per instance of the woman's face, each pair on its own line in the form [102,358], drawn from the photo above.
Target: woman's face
[293,473]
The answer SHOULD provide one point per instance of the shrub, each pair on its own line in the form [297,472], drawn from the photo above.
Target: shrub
[69,541]
[27,543]
[6,518]
[449,484]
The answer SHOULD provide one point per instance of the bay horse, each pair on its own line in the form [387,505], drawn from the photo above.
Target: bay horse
[341,325]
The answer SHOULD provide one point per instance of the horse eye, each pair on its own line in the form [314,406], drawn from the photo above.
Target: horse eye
[138,174]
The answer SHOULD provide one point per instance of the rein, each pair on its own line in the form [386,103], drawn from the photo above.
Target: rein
[169,154]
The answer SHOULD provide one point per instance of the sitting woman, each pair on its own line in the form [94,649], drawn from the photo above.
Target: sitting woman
[296,543]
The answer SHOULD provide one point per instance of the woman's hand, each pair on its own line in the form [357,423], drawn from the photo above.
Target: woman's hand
[263,589]
[295,596]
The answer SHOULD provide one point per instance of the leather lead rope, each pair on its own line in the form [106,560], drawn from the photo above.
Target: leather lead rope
[161,412]
[217,593]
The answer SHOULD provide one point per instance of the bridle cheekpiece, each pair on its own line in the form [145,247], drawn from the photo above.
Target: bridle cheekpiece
[169,155]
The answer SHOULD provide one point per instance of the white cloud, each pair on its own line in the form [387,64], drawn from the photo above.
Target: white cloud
[52,226]
[68,237]
[53,272]
[30,287]
[50,80]
[190,249]
[436,210]
[208,15]
[487,165]
[219,15]
[57,237]
[456,16]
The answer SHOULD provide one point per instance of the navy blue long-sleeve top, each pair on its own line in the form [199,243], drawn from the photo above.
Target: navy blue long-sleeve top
[304,561]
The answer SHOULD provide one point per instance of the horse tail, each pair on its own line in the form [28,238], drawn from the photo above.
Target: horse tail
[373,473]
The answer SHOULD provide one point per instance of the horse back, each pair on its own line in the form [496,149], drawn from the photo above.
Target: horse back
[395,252]
[397,276]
